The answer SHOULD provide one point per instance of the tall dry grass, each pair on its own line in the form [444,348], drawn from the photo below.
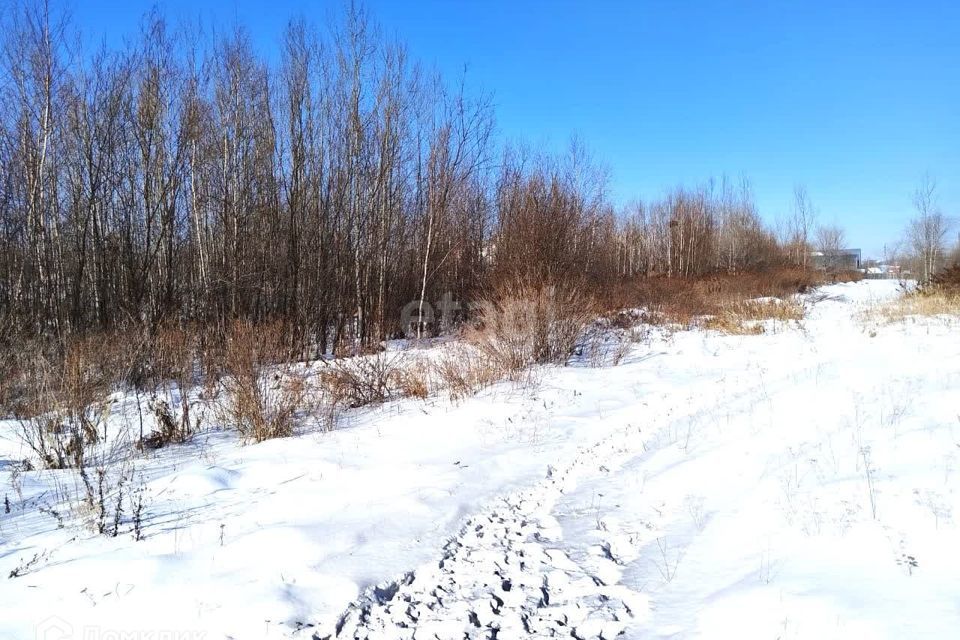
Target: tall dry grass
[369,379]
[465,370]
[682,300]
[753,317]
[916,305]
[263,390]
[62,405]
[528,324]
[938,298]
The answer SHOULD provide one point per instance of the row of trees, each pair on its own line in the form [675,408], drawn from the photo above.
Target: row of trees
[693,232]
[183,179]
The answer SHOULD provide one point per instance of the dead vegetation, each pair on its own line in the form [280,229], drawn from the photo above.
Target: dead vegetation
[176,356]
[527,324]
[62,405]
[365,380]
[248,378]
[682,300]
[938,298]
[919,305]
[263,390]
[465,370]
[946,282]
[754,317]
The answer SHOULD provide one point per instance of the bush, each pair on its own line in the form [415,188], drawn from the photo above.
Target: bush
[63,405]
[362,380]
[946,281]
[63,414]
[174,357]
[260,403]
[681,300]
[608,341]
[412,381]
[531,324]
[465,371]
[844,276]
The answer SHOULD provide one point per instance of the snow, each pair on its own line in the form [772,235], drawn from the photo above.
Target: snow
[796,484]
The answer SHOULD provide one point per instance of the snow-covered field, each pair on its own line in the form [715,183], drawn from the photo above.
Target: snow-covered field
[796,484]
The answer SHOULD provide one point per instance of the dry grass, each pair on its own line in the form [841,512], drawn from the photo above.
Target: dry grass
[63,416]
[413,380]
[933,303]
[260,404]
[58,391]
[751,317]
[938,298]
[682,300]
[62,403]
[364,380]
[731,325]
[466,371]
[526,324]
[174,356]
[774,309]
[608,341]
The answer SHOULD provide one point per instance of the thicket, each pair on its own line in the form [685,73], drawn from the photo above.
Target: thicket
[203,214]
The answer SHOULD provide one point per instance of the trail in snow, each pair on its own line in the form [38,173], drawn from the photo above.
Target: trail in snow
[509,572]
[746,513]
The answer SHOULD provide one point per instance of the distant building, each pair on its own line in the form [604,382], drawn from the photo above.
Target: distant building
[838,260]
[882,272]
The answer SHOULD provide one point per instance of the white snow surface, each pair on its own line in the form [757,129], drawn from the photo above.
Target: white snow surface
[797,484]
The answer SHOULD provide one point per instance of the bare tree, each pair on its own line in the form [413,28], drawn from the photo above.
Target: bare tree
[927,232]
[801,225]
[829,242]
[830,238]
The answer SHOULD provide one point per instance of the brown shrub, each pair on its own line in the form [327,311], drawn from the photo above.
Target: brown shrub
[412,381]
[63,404]
[466,371]
[174,357]
[681,300]
[362,380]
[608,343]
[946,281]
[263,392]
[846,275]
[529,324]
[168,430]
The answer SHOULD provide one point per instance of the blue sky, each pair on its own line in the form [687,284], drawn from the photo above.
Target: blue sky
[855,101]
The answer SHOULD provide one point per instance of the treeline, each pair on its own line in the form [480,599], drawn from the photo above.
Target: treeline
[184,179]
[696,232]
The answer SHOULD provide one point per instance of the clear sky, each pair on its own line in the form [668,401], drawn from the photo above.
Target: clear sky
[854,99]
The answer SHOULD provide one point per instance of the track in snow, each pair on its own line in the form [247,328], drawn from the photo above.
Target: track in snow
[506,574]
[503,576]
